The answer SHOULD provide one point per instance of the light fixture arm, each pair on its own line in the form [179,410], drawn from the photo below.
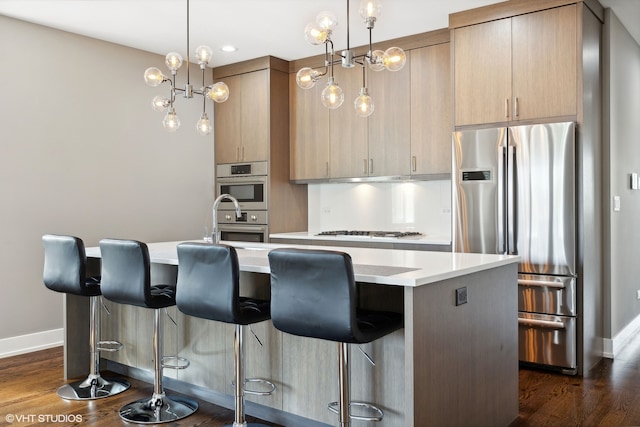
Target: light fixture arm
[188,76]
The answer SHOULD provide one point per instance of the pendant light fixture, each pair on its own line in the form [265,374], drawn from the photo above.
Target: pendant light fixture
[218,92]
[319,32]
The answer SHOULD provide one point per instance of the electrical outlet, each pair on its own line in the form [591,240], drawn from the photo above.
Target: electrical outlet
[462,297]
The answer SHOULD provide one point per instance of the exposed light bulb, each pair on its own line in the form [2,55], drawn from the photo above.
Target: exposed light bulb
[314,34]
[171,122]
[159,103]
[376,62]
[204,125]
[307,77]
[369,11]
[326,20]
[332,96]
[204,55]
[218,92]
[394,58]
[173,60]
[153,76]
[363,103]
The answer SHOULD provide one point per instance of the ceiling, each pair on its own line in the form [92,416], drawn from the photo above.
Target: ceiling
[256,27]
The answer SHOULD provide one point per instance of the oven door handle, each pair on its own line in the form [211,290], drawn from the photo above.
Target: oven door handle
[243,228]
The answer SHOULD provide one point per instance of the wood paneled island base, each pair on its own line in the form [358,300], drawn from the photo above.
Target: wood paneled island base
[451,365]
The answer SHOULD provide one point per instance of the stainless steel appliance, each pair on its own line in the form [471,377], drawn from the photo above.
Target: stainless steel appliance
[248,184]
[514,192]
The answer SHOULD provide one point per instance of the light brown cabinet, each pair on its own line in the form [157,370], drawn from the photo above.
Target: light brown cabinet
[518,68]
[348,132]
[431,110]
[242,122]
[309,133]
[390,123]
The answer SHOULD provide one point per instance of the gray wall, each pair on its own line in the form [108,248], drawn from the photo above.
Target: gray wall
[83,153]
[622,156]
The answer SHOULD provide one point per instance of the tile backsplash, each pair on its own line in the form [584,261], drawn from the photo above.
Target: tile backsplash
[423,206]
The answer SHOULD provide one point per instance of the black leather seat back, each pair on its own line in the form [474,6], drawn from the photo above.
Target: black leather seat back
[313,294]
[126,272]
[208,282]
[65,266]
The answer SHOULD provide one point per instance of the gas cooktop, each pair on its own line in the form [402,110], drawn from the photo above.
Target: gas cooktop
[370,233]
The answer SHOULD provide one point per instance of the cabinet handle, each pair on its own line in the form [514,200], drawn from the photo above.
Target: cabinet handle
[370,166]
[326,169]
[242,153]
[237,154]
[413,163]
[364,166]
[506,107]
[515,107]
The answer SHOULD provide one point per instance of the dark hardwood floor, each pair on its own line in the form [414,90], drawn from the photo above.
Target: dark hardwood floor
[608,395]
[28,385]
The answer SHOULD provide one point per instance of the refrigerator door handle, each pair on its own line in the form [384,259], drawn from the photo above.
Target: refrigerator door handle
[502,199]
[511,197]
[541,283]
[541,323]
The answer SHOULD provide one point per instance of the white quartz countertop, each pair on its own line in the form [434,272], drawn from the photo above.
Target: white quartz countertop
[426,239]
[381,266]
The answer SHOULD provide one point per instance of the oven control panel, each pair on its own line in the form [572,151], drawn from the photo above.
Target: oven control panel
[247,217]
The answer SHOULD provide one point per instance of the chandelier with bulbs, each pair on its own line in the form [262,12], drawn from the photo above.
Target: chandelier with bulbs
[218,92]
[319,32]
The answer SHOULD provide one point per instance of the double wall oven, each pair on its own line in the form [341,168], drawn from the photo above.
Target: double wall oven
[247,183]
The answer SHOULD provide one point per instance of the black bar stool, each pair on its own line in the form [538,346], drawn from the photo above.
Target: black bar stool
[209,288]
[313,294]
[126,280]
[64,271]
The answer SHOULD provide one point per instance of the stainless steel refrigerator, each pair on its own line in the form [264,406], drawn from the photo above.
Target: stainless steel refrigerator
[514,192]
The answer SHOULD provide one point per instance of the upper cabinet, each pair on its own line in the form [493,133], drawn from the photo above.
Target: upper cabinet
[431,110]
[518,68]
[242,122]
[390,123]
[309,133]
[409,132]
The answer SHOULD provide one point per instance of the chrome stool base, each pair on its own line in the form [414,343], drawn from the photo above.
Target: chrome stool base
[94,387]
[335,408]
[158,409]
[245,425]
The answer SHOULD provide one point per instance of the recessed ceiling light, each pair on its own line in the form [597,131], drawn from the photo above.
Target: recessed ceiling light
[228,48]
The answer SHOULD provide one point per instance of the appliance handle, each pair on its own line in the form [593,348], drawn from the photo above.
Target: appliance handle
[502,199]
[541,283]
[541,323]
[243,228]
[512,194]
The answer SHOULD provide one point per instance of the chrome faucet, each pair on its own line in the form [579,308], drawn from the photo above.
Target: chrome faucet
[215,236]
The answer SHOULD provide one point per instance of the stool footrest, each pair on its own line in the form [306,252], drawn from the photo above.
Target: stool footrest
[110,346]
[335,406]
[269,384]
[175,362]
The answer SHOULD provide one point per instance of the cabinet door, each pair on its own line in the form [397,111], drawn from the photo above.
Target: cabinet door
[254,118]
[309,133]
[431,110]
[482,72]
[545,63]
[389,125]
[227,123]
[347,131]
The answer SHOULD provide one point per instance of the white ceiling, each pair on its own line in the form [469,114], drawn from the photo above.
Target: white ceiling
[256,27]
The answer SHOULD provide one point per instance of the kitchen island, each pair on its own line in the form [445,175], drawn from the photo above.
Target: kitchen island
[454,363]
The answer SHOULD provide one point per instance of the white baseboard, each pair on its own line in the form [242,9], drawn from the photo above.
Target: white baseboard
[13,346]
[614,346]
